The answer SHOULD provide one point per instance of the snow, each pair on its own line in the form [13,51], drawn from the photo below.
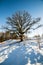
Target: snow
[27,52]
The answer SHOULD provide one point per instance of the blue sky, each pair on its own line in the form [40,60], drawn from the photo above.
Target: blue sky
[34,7]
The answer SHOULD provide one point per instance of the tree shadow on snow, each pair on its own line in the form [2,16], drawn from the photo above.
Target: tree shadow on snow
[20,56]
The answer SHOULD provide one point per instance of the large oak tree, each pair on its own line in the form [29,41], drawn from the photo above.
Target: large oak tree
[21,22]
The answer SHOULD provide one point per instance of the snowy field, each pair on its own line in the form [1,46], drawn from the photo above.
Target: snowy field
[21,53]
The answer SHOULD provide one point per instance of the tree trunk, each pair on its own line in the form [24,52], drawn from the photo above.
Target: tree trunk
[21,37]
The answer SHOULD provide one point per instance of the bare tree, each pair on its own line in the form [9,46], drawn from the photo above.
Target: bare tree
[38,39]
[21,22]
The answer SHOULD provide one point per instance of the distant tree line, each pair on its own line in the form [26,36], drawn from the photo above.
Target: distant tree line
[9,35]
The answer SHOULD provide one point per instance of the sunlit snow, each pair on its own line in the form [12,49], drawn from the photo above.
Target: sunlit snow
[20,53]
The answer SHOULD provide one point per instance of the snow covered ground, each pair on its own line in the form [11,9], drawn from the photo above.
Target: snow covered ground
[21,53]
